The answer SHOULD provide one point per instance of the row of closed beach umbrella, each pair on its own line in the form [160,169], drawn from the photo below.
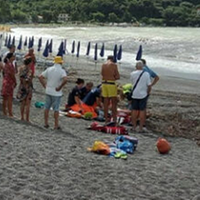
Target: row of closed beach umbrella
[29,42]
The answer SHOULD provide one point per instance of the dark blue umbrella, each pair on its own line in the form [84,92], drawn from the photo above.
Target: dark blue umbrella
[88,49]
[51,46]
[32,42]
[102,51]
[73,47]
[139,53]
[64,46]
[46,50]
[29,42]
[60,50]
[39,44]
[78,49]
[13,40]
[119,54]
[6,41]
[95,52]
[115,53]
[25,41]
[9,41]
[19,47]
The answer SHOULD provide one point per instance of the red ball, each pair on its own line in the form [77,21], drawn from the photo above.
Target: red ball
[163,146]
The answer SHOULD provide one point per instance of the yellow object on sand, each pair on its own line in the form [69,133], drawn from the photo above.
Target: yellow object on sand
[100,147]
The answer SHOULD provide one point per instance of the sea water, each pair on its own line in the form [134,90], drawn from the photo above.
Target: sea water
[169,51]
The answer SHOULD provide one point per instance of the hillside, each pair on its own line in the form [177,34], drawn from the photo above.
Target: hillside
[154,12]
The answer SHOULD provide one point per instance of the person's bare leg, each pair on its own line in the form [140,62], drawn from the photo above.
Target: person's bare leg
[28,104]
[46,117]
[134,115]
[106,102]
[114,109]
[142,119]
[22,107]
[10,99]
[56,117]
[4,105]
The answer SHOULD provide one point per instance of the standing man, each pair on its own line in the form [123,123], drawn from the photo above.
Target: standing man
[56,78]
[142,82]
[152,74]
[110,74]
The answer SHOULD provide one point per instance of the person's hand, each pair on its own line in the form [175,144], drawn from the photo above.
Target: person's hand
[58,89]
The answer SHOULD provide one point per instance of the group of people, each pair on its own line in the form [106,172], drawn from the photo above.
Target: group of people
[102,97]
[10,70]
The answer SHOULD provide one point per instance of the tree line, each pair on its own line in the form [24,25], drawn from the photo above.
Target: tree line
[149,12]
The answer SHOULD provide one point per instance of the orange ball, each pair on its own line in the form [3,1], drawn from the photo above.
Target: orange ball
[163,146]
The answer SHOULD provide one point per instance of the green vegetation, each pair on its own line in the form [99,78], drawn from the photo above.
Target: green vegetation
[150,12]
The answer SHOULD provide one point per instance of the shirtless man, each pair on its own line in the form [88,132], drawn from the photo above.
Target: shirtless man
[110,74]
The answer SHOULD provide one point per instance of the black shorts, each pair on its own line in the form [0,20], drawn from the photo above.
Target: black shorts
[139,104]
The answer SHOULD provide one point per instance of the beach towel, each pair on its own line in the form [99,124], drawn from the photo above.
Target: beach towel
[120,130]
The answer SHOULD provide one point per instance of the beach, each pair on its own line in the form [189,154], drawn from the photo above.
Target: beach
[42,164]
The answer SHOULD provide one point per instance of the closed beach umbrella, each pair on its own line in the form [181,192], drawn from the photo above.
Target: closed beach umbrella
[115,53]
[51,46]
[39,44]
[95,52]
[60,49]
[19,47]
[9,41]
[6,41]
[139,53]
[13,40]
[73,47]
[32,42]
[88,49]
[65,46]
[78,49]
[46,50]
[102,50]
[29,42]
[25,41]
[119,54]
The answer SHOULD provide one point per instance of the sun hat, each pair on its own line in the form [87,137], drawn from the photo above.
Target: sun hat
[58,60]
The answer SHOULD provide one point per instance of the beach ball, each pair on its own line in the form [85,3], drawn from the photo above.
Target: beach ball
[163,146]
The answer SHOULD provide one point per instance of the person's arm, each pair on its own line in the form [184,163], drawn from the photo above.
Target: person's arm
[155,80]
[42,80]
[117,76]
[62,84]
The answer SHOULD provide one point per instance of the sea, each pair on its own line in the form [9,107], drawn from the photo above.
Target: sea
[168,51]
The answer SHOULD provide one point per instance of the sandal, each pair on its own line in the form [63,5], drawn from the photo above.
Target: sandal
[58,128]
[46,126]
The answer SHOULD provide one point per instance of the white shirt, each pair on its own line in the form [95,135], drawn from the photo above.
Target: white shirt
[140,91]
[54,76]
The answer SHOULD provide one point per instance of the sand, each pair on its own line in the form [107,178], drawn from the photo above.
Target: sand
[55,165]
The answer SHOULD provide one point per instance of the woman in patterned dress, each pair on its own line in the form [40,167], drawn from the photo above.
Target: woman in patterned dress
[9,83]
[25,88]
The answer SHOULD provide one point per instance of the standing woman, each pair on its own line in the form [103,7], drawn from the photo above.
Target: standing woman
[24,93]
[9,83]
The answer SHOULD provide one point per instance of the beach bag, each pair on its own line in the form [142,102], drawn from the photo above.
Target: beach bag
[100,148]
[39,104]
[126,143]
[163,146]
